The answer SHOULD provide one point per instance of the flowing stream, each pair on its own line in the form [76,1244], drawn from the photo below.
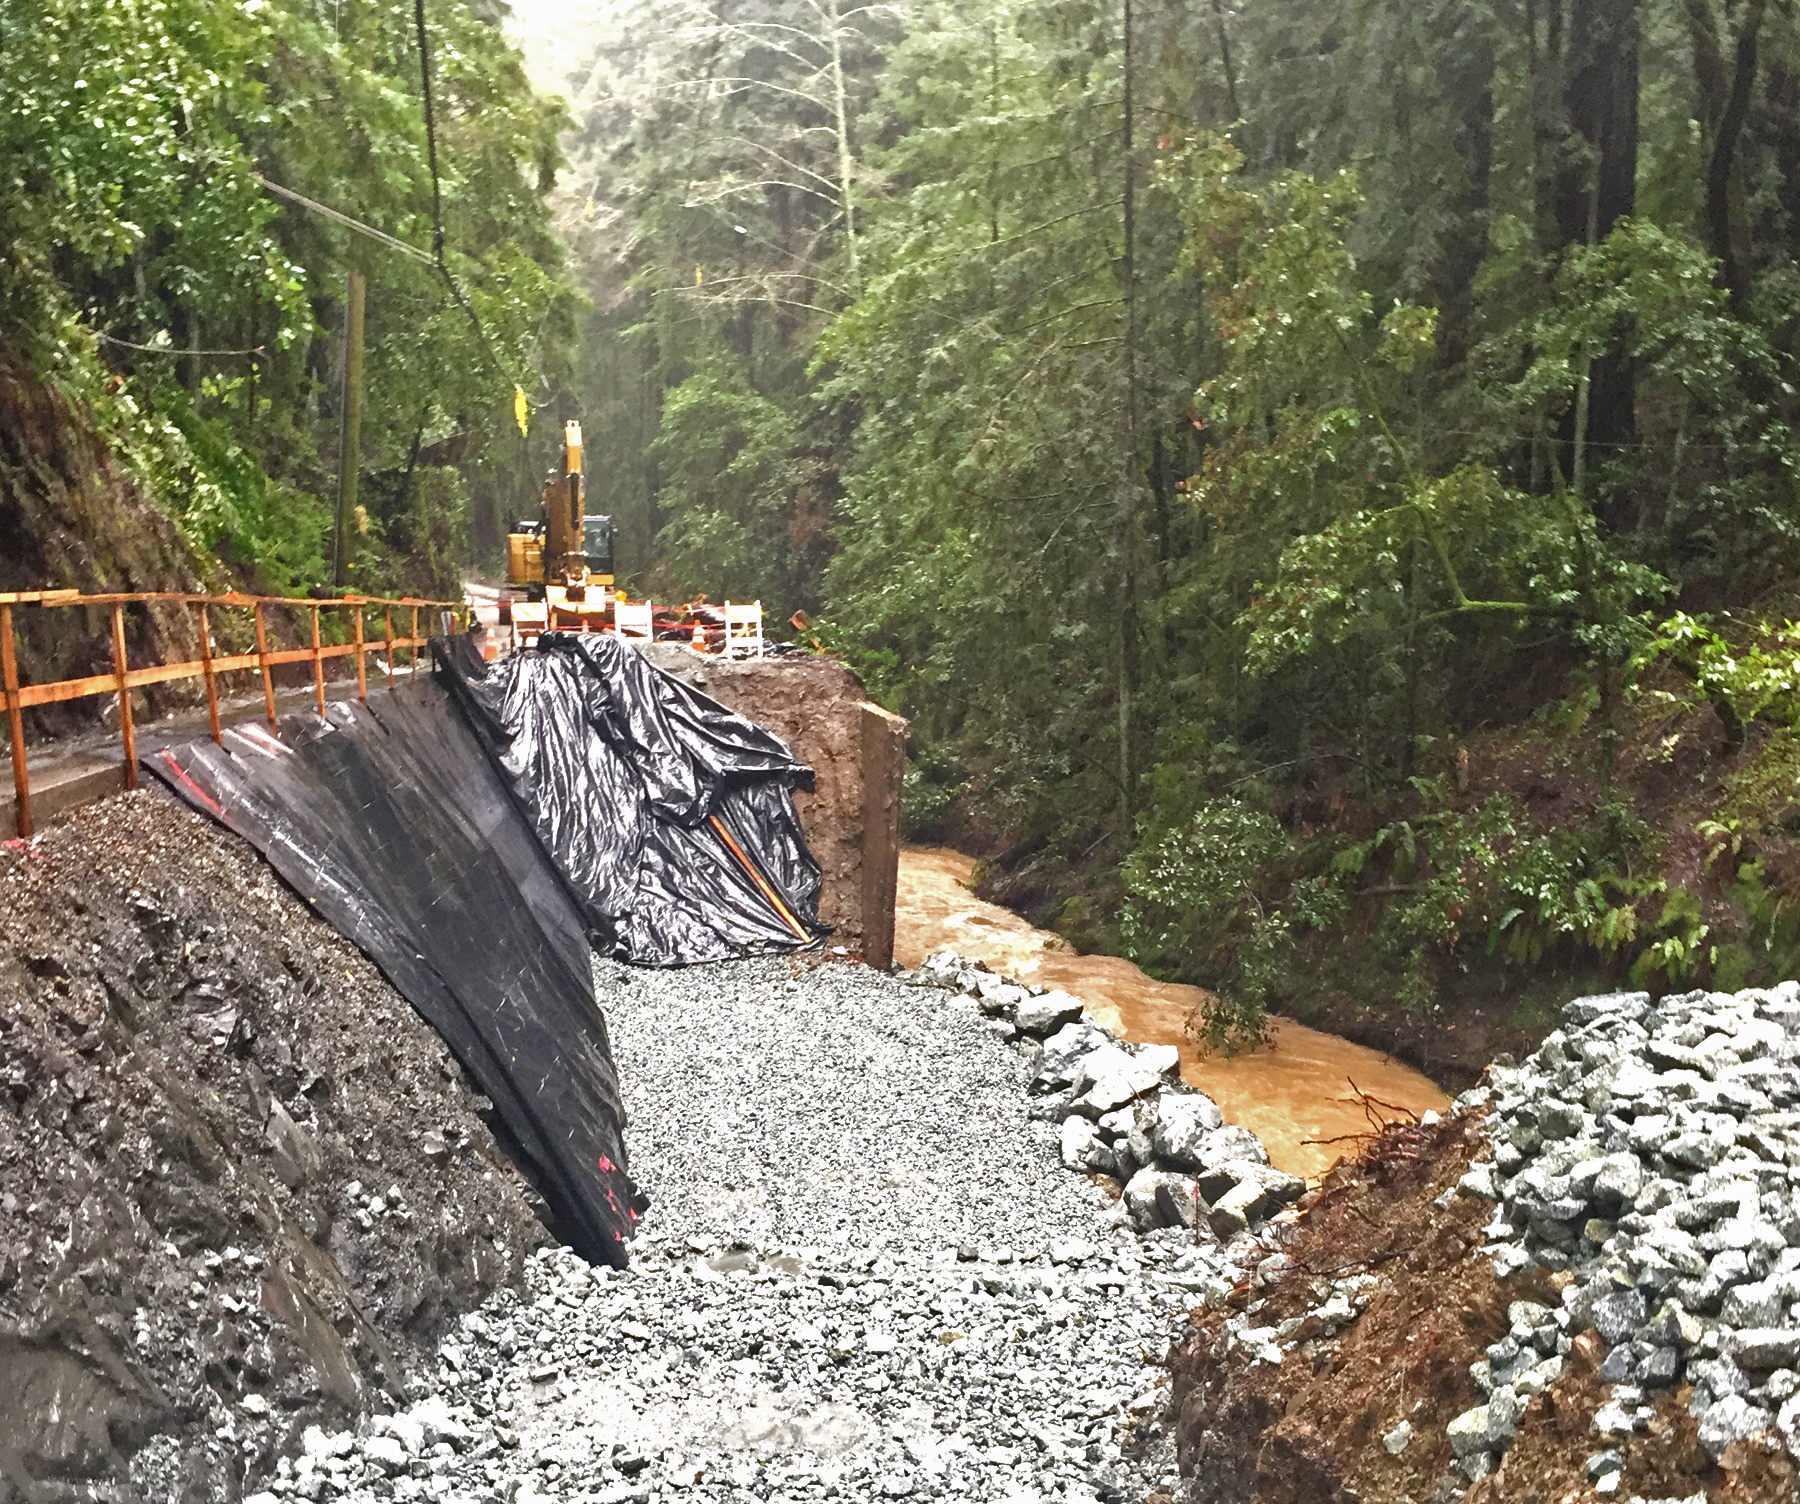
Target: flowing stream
[1297,1093]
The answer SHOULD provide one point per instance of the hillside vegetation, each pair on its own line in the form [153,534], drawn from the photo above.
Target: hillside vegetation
[1319,477]
[156,295]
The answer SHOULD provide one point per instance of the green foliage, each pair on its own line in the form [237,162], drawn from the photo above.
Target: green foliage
[742,498]
[1197,495]
[1762,678]
[1202,891]
[230,505]
[1195,558]
[138,235]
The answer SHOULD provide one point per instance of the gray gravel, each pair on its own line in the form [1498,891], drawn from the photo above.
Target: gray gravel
[866,1273]
[1652,1148]
[833,1105]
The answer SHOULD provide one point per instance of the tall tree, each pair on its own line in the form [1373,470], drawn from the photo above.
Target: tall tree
[1594,186]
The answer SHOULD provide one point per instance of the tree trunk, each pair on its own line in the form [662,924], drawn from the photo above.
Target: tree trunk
[1779,130]
[1716,216]
[1126,523]
[1466,57]
[1595,186]
[1600,98]
[842,117]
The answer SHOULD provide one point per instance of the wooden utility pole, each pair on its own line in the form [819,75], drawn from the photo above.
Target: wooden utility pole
[349,429]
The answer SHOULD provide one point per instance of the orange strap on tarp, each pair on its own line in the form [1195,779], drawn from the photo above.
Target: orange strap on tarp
[761,882]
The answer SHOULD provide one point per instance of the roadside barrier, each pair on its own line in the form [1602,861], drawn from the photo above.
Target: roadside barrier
[123,678]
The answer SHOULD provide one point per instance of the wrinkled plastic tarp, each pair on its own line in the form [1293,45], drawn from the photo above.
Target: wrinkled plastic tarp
[393,821]
[671,817]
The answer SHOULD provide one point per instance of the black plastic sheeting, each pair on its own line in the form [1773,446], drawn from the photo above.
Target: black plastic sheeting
[671,817]
[393,821]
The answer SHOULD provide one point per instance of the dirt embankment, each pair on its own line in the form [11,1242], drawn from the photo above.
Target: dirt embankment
[1357,1408]
[70,515]
[242,1185]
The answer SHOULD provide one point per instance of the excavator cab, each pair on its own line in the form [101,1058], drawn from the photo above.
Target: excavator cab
[597,546]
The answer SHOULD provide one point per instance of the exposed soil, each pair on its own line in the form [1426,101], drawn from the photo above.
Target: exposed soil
[71,517]
[243,1188]
[1310,1429]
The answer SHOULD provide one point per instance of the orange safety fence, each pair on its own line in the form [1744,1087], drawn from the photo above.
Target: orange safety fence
[123,678]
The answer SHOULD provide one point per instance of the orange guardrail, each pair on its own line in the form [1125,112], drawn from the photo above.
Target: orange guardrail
[123,678]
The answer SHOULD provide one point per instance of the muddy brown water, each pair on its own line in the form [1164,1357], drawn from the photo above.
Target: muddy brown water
[1296,1093]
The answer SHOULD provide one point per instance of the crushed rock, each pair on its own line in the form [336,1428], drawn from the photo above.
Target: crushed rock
[1588,1336]
[866,1272]
[243,1188]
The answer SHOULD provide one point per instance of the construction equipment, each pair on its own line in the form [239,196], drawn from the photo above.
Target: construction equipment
[564,558]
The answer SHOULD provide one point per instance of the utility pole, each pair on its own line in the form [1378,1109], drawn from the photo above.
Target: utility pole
[349,429]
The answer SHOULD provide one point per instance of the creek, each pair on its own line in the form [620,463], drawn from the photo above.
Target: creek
[1298,1092]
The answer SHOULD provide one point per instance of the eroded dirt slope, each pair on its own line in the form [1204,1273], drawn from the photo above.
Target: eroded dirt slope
[242,1185]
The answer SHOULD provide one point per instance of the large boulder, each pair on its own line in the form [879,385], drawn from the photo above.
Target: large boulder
[1044,1015]
[1159,1198]
[1227,1145]
[1243,1191]
[1111,1076]
[1060,1062]
[1084,1150]
[1183,1121]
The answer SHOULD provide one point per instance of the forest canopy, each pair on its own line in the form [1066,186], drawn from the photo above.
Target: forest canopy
[1319,477]
[199,316]
[1207,422]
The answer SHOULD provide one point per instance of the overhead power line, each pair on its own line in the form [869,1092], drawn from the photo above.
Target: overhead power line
[435,257]
[336,217]
[437,199]
[174,349]
[393,243]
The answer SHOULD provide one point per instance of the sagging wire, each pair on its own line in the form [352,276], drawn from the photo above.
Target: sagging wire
[179,350]
[393,243]
[435,257]
[437,202]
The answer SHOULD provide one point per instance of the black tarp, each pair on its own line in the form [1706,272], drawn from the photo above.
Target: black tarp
[472,833]
[671,817]
[391,819]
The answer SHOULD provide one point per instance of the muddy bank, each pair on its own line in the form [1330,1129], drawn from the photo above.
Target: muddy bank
[1295,1094]
[1582,1283]
[243,1188]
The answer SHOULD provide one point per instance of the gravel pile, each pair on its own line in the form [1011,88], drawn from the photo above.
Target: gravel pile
[865,1273]
[244,1188]
[1653,1151]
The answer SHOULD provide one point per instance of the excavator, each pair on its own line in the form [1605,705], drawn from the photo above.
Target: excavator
[562,563]
[563,559]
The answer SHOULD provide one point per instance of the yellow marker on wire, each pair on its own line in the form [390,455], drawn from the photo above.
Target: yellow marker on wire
[521,412]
